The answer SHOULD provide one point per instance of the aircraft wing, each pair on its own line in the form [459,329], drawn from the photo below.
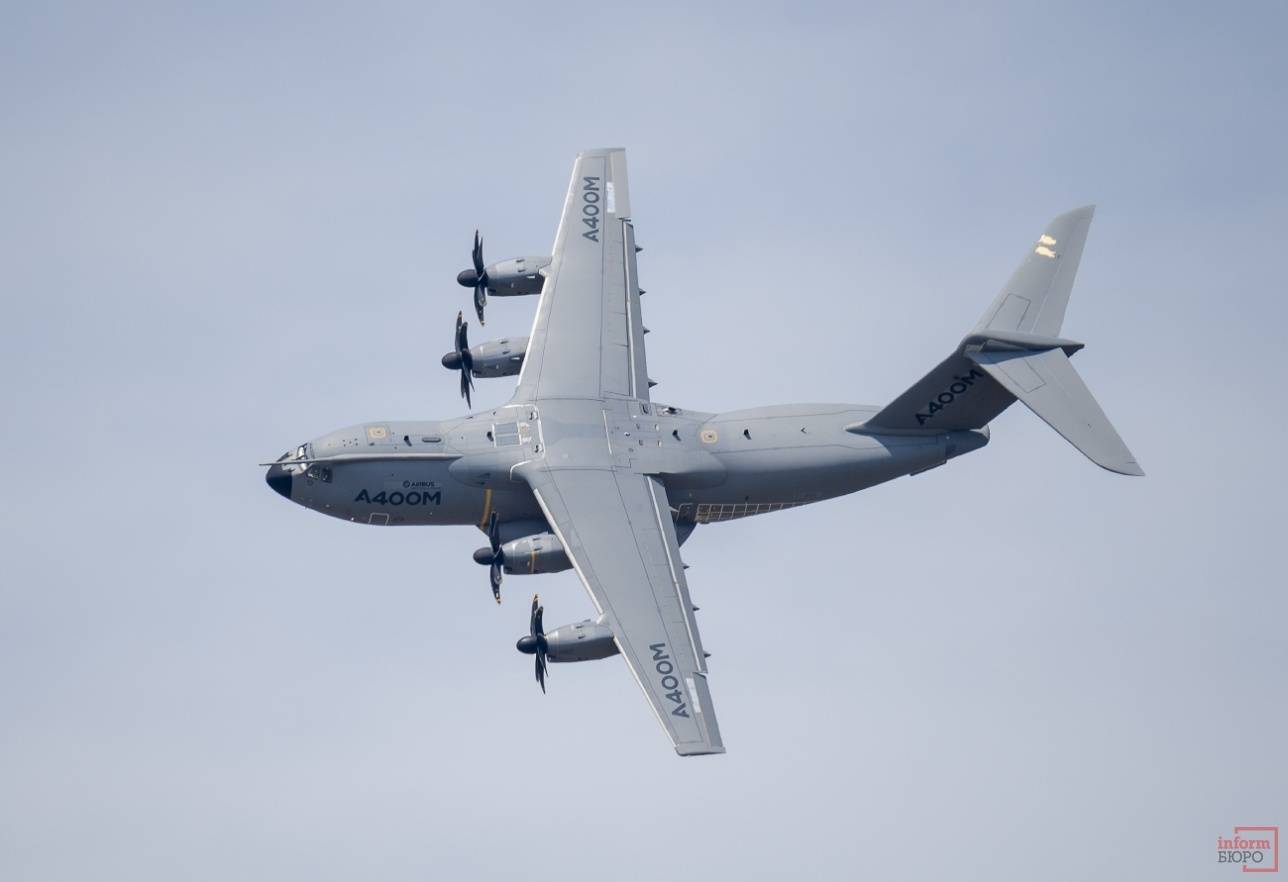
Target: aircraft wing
[616,527]
[587,340]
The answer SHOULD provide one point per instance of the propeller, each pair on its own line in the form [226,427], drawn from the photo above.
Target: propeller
[476,278]
[461,359]
[535,643]
[492,557]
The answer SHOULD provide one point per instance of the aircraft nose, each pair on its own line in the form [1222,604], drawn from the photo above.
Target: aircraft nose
[467,278]
[279,479]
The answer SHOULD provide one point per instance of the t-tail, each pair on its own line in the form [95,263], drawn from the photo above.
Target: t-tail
[1016,352]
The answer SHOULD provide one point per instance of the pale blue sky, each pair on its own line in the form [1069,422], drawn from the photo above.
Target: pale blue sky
[228,229]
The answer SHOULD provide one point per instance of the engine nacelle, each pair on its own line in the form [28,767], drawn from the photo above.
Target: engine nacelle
[584,641]
[516,276]
[492,358]
[538,553]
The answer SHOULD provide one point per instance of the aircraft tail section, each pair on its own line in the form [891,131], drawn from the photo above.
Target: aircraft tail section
[957,394]
[1015,353]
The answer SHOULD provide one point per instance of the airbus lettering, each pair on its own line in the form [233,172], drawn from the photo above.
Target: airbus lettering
[415,497]
[943,399]
[662,664]
[590,207]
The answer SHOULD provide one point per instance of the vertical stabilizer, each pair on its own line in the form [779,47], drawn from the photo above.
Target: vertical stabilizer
[1016,353]
[1037,294]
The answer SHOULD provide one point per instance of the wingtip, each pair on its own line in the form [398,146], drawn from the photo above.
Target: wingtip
[699,749]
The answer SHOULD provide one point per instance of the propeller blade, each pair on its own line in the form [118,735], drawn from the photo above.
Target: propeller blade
[467,384]
[494,532]
[464,361]
[480,277]
[494,576]
[477,254]
[535,642]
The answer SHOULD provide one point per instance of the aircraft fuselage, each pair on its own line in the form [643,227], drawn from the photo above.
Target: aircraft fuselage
[715,467]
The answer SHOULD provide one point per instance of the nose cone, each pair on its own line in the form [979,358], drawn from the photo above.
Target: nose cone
[452,361]
[279,479]
[467,278]
[526,645]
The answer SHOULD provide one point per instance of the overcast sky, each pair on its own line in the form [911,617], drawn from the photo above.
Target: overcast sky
[229,229]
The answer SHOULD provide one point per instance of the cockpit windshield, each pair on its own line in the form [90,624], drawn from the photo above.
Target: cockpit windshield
[295,460]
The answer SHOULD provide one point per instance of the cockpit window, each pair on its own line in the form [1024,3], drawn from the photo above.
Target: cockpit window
[291,459]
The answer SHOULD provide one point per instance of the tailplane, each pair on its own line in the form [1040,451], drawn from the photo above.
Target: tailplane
[1016,353]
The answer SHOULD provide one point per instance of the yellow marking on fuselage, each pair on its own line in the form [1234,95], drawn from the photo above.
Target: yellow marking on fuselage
[487,509]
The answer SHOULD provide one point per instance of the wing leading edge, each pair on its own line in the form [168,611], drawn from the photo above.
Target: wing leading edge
[616,528]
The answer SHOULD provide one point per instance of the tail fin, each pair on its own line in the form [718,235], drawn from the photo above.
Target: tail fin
[1035,297]
[1015,353]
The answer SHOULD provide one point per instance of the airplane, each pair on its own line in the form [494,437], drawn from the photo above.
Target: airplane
[583,470]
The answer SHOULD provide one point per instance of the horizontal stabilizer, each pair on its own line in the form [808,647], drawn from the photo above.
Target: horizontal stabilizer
[1047,383]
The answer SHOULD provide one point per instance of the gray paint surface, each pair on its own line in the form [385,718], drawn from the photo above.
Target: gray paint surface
[230,229]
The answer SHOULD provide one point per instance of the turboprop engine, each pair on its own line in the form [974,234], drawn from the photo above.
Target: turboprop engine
[505,278]
[492,358]
[495,358]
[538,553]
[528,555]
[585,641]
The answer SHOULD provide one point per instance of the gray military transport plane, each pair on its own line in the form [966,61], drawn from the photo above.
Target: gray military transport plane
[583,470]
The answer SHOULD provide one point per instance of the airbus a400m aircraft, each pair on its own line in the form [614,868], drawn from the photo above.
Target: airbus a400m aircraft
[583,470]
